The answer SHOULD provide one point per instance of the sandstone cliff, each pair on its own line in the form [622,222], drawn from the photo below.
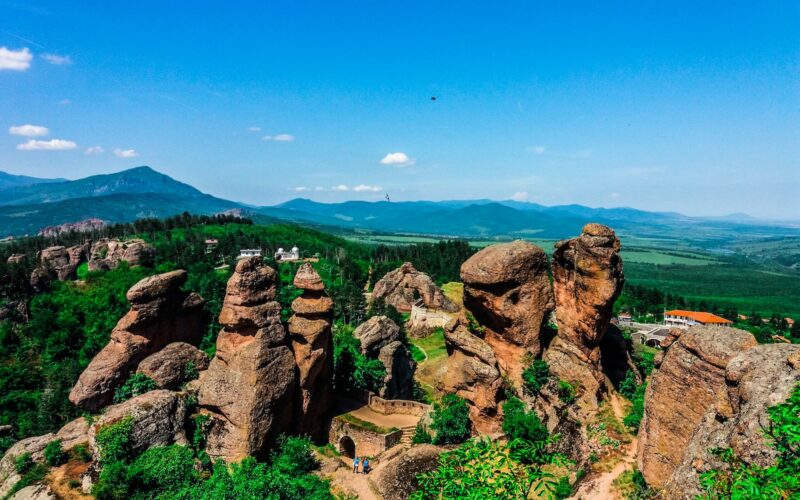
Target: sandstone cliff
[506,288]
[310,332]
[402,287]
[160,314]
[250,385]
[587,279]
[106,254]
[381,339]
[689,382]
[59,263]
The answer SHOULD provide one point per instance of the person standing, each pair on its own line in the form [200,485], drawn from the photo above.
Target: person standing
[365,465]
[356,461]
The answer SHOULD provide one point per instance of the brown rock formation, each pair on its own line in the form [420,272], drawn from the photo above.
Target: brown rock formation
[59,263]
[405,285]
[587,278]
[756,379]
[168,366]
[157,419]
[507,289]
[471,372]
[106,254]
[688,383]
[310,332]
[16,258]
[84,226]
[249,387]
[160,314]
[381,339]
[9,476]
[397,479]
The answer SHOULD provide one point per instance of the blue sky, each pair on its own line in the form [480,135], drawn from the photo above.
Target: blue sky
[678,106]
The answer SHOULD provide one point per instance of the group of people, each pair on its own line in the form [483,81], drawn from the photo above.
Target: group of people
[363,462]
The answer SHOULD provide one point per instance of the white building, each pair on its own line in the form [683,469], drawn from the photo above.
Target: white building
[685,319]
[249,252]
[283,255]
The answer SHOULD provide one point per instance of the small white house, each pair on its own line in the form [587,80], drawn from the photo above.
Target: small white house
[282,255]
[249,252]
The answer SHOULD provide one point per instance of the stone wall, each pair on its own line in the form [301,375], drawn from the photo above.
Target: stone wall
[398,406]
[422,317]
[367,442]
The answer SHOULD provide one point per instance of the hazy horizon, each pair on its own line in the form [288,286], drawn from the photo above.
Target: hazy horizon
[683,108]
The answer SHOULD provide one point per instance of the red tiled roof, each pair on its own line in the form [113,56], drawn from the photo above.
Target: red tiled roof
[701,317]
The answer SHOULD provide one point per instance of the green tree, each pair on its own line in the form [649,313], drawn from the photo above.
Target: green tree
[450,420]
[535,376]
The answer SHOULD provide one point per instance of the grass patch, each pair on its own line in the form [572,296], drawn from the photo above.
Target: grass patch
[417,354]
[455,292]
[433,345]
[363,424]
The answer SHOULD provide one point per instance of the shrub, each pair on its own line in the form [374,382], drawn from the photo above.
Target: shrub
[82,453]
[518,423]
[190,371]
[137,384]
[23,463]
[634,418]
[450,420]
[114,441]
[562,488]
[163,468]
[566,392]
[535,376]
[421,435]
[54,454]
[295,456]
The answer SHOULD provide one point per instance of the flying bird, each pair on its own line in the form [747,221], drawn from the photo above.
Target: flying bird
[387,197]
[433,98]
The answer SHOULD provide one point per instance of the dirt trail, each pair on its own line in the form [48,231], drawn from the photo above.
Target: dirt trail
[353,484]
[600,486]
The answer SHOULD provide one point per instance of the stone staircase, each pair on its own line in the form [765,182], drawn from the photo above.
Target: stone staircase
[408,433]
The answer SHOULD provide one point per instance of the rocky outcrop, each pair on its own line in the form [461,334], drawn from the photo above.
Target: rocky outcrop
[160,314]
[8,473]
[106,254]
[169,366]
[249,387]
[310,333]
[84,226]
[689,381]
[398,479]
[35,492]
[507,289]
[471,372]
[157,418]
[59,263]
[381,339]
[405,285]
[587,278]
[756,379]
[16,258]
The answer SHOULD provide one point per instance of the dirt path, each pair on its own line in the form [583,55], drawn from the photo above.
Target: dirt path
[353,484]
[600,486]
[394,420]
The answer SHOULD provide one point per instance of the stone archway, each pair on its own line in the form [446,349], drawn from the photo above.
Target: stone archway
[653,343]
[347,447]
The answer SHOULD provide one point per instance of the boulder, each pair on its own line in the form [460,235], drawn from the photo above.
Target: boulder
[160,314]
[59,263]
[756,379]
[16,258]
[8,472]
[587,279]
[74,433]
[34,492]
[688,383]
[398,478]
[157,419]
[168,366]
[507,289]
[471,372]
[312,344]
[106,254]
[405,285]
[381,339]
[250,385]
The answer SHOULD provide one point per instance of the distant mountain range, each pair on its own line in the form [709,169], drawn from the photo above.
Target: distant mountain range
[27,204]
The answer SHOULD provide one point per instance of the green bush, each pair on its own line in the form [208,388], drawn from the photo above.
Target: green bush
[566,392]
[450,420]
[535,376]
[634,417]
[562,488]
[54,454]
[352,370]
[82,453]
[114,441]
[23,463]
[421,435]
[294,456]
[518,423]
[163,468]
[137,384]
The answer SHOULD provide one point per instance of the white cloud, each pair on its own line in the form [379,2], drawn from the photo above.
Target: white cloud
[254,129]
[319,188]
[57,60]
[340,187]
[279,138]
[300,189]
[364,187]
[584,153]
[614,195]
[65,102]
[94,150]
[397,159]
[28,130]
[52,144]
[125,153]
[520,196]
[539,150]
[15,60]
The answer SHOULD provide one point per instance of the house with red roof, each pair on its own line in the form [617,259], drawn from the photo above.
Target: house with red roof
[684,319]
